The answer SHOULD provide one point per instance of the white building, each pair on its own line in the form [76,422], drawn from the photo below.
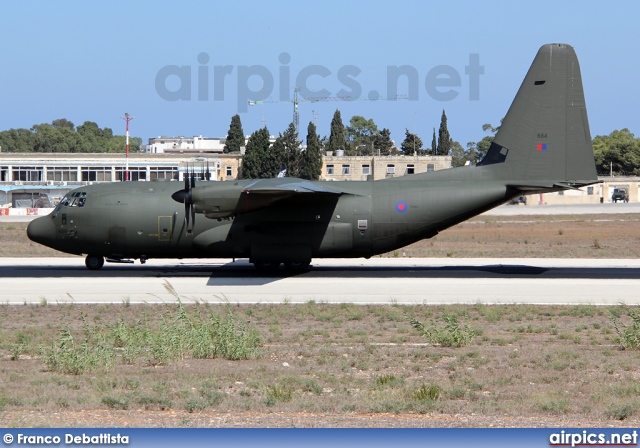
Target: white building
[198,143]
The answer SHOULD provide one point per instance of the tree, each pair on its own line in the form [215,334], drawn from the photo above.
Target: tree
[16,140]
[412,144]
[382,143]
[254,164]
[360,135]
[312,156]
[337,138]
[291,151]
[235,136]
[62,136]
[618,152]
[434,145]
[458,155]
[472,153]
[63,123]
[444,139]
[483,145]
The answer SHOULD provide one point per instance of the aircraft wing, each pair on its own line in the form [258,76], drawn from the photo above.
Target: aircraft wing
[222,199]
[291,186]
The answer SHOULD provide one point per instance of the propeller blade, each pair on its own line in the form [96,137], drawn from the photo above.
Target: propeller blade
[186,214]
[193,216]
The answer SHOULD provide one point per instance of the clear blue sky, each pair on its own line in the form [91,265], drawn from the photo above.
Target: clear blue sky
[94,61]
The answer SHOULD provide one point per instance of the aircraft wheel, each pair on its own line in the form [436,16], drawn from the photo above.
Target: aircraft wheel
[267,266]
[94,262]
[298,266]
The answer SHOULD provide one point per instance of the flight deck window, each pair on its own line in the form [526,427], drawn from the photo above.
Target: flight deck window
[78,199]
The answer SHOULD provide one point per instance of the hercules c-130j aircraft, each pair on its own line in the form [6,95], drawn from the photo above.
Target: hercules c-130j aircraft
[543,145]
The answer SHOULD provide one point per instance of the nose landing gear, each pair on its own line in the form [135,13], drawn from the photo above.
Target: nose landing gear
[94,262]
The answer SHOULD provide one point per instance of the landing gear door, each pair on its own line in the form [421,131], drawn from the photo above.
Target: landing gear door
[165,228]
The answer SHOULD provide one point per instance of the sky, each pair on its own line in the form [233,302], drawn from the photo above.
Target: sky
[185,68]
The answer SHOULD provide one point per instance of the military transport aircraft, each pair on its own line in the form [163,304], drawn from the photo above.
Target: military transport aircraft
[543,145]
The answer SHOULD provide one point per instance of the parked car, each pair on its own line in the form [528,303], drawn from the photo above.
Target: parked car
[619,194]
[519,200]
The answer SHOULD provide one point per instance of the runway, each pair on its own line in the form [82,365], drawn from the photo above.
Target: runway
[374,281]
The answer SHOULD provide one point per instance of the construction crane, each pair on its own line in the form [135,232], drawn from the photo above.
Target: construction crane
[296,101]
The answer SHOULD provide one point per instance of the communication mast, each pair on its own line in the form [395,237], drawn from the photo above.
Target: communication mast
[127,118]
[296,101]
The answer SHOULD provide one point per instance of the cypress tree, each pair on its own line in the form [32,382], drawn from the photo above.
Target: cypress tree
[337,138]
[235,136]
[434,145]
[291,151]
[254,163]
[312,156]
[444,139]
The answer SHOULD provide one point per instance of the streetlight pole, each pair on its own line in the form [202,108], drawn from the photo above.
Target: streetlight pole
[127,118]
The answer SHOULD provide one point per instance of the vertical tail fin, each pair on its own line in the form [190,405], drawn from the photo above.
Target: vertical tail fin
[544,140]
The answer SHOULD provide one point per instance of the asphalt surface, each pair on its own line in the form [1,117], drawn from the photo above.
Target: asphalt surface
[377,280]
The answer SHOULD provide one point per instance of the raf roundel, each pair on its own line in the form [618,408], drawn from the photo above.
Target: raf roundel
[401,207]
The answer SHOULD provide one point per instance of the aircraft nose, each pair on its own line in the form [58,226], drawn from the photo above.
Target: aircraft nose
[42,230]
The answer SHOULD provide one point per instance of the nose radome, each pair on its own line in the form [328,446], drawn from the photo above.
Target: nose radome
[42,230]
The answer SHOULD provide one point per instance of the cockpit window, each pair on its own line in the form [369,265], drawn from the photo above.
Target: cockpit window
[78,199]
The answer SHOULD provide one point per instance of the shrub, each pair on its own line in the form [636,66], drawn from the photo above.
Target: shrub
[628,335]
[620,412]
[449,335]
[427,393]
[277,393]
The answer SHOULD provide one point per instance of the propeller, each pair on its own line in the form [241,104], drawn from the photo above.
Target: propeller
[185,196]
